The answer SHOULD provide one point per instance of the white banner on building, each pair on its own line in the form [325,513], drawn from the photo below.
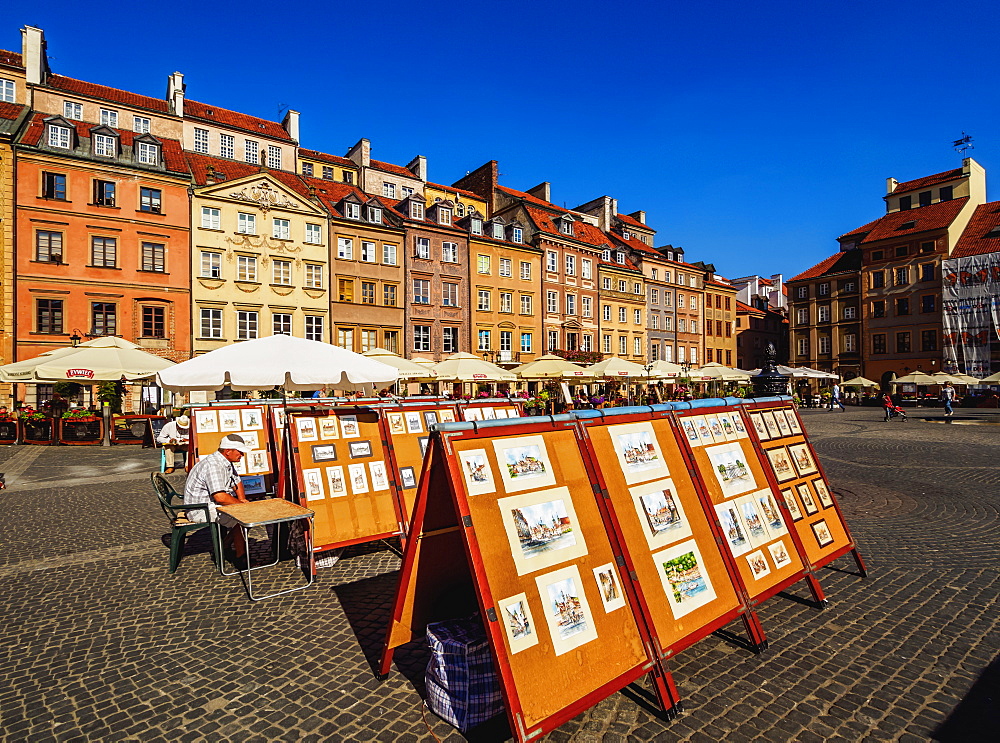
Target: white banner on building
[971,312]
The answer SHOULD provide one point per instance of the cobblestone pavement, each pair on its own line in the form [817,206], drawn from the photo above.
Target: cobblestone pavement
[101,643]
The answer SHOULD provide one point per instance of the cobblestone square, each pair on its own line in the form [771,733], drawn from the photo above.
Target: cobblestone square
[101,643]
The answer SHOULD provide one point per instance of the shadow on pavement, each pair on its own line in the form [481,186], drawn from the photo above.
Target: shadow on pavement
[977,716]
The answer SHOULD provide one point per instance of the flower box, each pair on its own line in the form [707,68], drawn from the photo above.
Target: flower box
[36,431]
[80,430]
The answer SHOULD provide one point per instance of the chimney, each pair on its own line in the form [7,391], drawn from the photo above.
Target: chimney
[639,216]
[890,185]
[34,56]
[291,124]
[418,166]
[175,93]
[361,153]
[482,181]
[542,191]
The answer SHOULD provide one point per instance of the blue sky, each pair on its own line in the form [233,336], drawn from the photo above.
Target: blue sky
[752,134]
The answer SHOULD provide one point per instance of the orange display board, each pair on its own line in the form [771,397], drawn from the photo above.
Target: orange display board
[210,424]
[409,432]
[489,410]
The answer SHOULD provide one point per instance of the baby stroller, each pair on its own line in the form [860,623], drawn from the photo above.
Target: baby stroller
[891,409]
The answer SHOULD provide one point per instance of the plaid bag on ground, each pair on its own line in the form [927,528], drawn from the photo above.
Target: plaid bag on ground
[462,684]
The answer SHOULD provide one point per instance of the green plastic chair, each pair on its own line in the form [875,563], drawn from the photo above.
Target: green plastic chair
[181,525]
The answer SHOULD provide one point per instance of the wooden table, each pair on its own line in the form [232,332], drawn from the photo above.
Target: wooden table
[266,512]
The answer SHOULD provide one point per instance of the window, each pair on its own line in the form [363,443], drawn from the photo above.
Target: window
[483,264]
[246,224]
[274,157]
[389,295]
[389,190]
[570,304]
[668,352]
[352,210]
[314,276]
[210,218]
[566,227]
[327,173]
[390,340]
[552,302]
[227,147]
[345,248]
[314,234]
[449,340]
[588,342]
[345,338]
[823,313]
[693,326]
[824,344]
[877,255]
[878,279]
[570,265]
[668,299]
[506,267]
[7,91]
[945,193]
[421,291]
[345,290]
[850,313]
[281,272]
[655,321]
[526,308]
[552,340]
[551,261]
[369,340]
[154,257]
[104,252]
[307,169]
[368,251]
[902,306]
[150,200]
[476,226]
[924,198]
[927,272]
[281,323]
[606,282]
[517,235]
[802,316]
[375,214]
[637,346]
[622,314]
[59,136]
[637,317]
[903,342]
[483,303]
[246,268]
[348,177]
[637,288]
[506,302]
[878,343]
[449,294]
[367,292]
[905,202]
[153,322]
[623,345]
[48,316]
[388,254]
[606,343]
[681,325]
[878,308]
[802,346]
[928,340]
[416,210]
[109,118]
[104,318]
[849,286]
[824,289]
[421,337]
[423,247]
[281,229]
[606,312]
[251,152]
[72,110]
[211,323]
[927,303]
[104,193]
[622,286]
[850,343]
[680,300]
[619,257]
[211,265]
[525,270]
[314,328]
[444,215]
[53,186]
[201,141]
[902,276]
[449,252]
[587,305]
[484,340]
[802,292]
[525,342]
[585,268]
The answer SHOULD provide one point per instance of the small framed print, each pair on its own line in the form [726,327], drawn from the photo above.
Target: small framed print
[609,587]
[782,421]
[803,459]
[727,427]
[773,432]
[279,418]
[380,480]
[489,414]
[250,439]
[477,472]
[756,527]
[781,463]
[252,419]
[687,425]
[792,503]
[423,441]
[567,611]
[733,528]
[430,418]
[759,427]
[335,480]
[229,420]
[313,482]
[253,484]
[660,513]
[397,424]
[822,493]
[306,428]
[328,428]
[206,421]
[446,416]
[822,533]
[731,469]
[407,477]
[413,422]
[324,452]
[779,554]
[793,421]
[360,449]
[256,461]
[358,478]
[807,500]
[518,623]
[704,432]
[758,564]
[472,414]
[524,463]
[241,466]
[737,419]
[542,529]
[638,451]
[349,426]
[684,577]
[715,426]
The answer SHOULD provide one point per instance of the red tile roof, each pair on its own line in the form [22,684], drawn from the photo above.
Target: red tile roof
[582,231]
[974,240]
[452,189]
[324,157]
[740,307]
[103,92]
[632,221]
[331,193]
[847,260]
[637,245]
[925,218]
[10,111]
[235,120]
[531,199]
[228,170]
[927,181]
[394,169]
[860,230]
[723,284]
[10,59]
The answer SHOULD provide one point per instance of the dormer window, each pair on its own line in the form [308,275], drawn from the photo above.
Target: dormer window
[109,118]
[908,225]
[374,214]
[517,235]
[105,146]
[416,210]
[476,226]
[59,136]
[352,210]
[147,152]
[459,210]
[498,231]
[627,235]
[444,216]
[566,226]
[620,257]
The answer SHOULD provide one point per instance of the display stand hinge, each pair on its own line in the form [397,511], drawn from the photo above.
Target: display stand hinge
[295,449]
[596,488]
[467,522]
[620,560]
[491,614]
[632,575]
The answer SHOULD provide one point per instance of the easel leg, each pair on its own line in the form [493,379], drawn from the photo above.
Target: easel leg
[859,562]
[667,695]
[386,663]
[755,631]
[816,590]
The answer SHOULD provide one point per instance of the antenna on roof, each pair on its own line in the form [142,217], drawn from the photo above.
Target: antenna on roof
[963,144]
[282,107]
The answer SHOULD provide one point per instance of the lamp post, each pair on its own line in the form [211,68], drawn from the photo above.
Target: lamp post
[648,368]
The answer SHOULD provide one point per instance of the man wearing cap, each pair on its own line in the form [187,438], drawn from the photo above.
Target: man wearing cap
[174,438]
[214,480]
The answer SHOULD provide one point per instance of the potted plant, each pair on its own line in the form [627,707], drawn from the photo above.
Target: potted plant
[37,427]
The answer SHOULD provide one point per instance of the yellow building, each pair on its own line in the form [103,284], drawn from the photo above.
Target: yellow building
[260,255]
[720,321]
[314,164]
[623,307]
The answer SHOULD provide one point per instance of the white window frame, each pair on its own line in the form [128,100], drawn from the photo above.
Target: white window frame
[281,229]
[444,215]
[506,267]
[850,313]
[211,218]
[246,268]
[526,342]
[526,270]
[375,214]
[476,226]
[109,117]
[281,323]
[449,252]
[570,304]
[246,224]
[345,248]
[571,265]
[281,272]
[314,234]
[201,140]
[369,254]
[423,247]
[141,124]
[526,304]
[587,306]
[483,264]
[251,152]
[637,317]
[552,261]
[314,275]
[274,157]
[622,314]
[484,300]
[421,337]
[73,110]
[227,146]
[315,328]
[498,231]
[516,235]
[506,302]
[148,153]
[552,302]
[585,268]
[247,324]
[105,146]
[416,210]
[389,254]
[389,190]
[211,323]
[211,265]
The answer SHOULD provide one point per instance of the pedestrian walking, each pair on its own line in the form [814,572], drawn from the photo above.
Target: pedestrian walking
[948,396]
[835,398]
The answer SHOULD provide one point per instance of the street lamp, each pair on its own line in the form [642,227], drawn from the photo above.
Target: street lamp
[75,338]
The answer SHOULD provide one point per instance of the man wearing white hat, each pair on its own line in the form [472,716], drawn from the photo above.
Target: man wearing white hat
[214,480]
[174,437]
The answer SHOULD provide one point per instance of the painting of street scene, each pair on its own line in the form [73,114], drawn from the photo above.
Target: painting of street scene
[731,470]
[689,429]
[524,462]
[638,452]
[543,527]
[756,529]
[566,609]
[517,621]
[732,527]
[781,464]
[661,511]
[768,507]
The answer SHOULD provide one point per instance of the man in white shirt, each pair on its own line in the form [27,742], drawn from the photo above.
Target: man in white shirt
[174,437]
[214,480]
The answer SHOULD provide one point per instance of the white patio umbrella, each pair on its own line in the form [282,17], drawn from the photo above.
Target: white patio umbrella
[465,367]
[551,366]
[102,359]
[717,372]
[407,369]
[661,369]
[24,371]
[992,379]
[616,368]
[860,382]
[915,378]
[277,361]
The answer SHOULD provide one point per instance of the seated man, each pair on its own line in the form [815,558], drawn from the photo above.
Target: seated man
[214,481]
[174,438]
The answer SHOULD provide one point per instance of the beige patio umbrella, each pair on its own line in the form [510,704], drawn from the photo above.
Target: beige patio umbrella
[465,367]
[101,359]
[860,382]
[916,377]
[24,371]
[717,372]
[966,379]
[551,366]
[407,369]
[615,368]
[665,370]
[992,379]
